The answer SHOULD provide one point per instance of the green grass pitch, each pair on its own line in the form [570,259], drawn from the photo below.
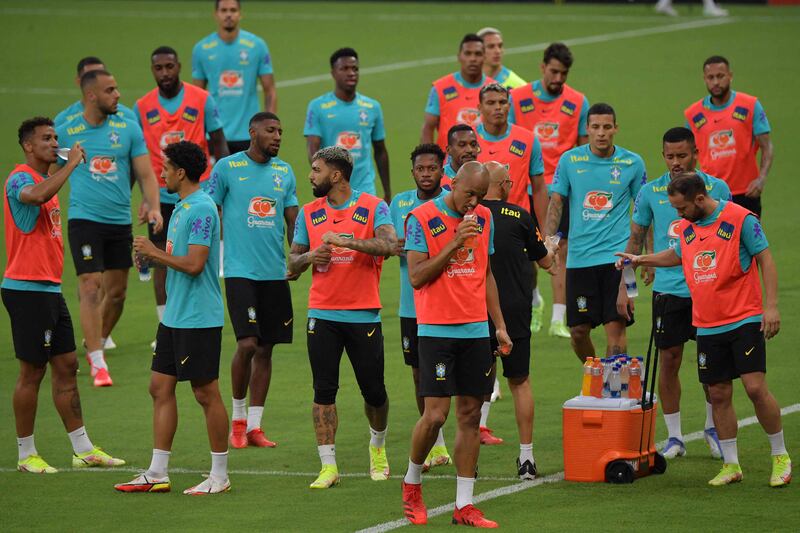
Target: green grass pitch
[647,66]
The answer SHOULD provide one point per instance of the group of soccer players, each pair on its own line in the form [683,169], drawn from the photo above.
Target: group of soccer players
[506,174]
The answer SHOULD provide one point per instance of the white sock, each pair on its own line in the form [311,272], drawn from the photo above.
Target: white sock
[526,453]
[709,417]
[239,409]
[414,473]
[709,4]
[729,451]
[254,413]
[440,438]
[327,454]
[98,359]
[160,312]
[26,447]
[537,298]
[673,422]
[159,464]
[219,465]
[559,311]
[485,413]
[377,438]
[663,3]
[80,440]
[464,487]
[775,442]
[103,341]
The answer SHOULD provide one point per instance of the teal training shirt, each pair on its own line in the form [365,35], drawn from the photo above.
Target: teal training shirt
[76,109]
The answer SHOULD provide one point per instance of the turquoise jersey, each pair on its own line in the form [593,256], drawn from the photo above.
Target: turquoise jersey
[301,237]
[24,217]
[232,71]
[432,106]
[542,94]
[401,206]
[652,207]
[352,125]
[76,108]
[536,166]
[760,121]
[194,301]
[171,105]
[508,78]
[253,197]
[752,242]
[599,191]
[415,242]
[100,189]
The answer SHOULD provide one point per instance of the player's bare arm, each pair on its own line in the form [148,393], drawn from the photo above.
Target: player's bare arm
[539,192]
[666,258]
[423,269]
[384,243]
[313,144]
[771,318]
[218,144]
[270,94]
[381,155]
[429,127]
[41,192]
[192,263]
[756,186]
[147,181]
[554,211]
[301,257]
[290,217]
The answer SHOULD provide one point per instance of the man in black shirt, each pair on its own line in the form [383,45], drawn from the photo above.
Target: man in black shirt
[517,243]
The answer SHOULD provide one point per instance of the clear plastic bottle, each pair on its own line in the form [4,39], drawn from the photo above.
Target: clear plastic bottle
[630,279]
[614,383]
[143,266]
[586,384]
[624,376]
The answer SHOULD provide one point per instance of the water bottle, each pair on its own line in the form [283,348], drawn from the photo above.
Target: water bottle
[552,241]
[143,266]
[470,242]
[630,279]
[596,387]
[607,362]
[635,380]
[624,376]
[614,383]
[322,268]
[586,384]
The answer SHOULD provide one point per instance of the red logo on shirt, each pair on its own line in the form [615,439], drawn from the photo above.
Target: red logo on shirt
[349,140]
[722,144]
[171,137]
[546,131]
[598,200]
[169,246]
[261,206]
[672,232]
[231,79]
[103,164]
[469,116]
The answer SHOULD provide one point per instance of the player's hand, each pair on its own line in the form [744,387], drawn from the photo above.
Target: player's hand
[755,188]
[400,248]
[141,215]
[635,260]
[624,304]
[553,243]
[770,322]
[504,343]
[291,276]
[466,229]
[648,275]
[154,217]
[144,246]
[333,238]
[76,155]
[321,255]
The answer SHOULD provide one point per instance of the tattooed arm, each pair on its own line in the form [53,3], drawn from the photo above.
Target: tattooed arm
[554,210]
[300,258]
[384,243]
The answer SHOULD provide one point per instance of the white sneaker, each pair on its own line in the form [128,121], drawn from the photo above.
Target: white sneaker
[666,9]
[110,344]
[496,394]
[715,11]
[674,448]
[211,485]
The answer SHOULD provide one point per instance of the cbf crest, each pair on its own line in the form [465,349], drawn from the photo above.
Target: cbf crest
[312,322]
[441,371]
[48,336]
[581,301]
[251,314]
[86,250]
[406,344]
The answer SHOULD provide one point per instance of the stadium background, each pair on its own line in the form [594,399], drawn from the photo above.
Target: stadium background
[645,65]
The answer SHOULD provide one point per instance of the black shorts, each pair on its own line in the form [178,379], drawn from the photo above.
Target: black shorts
[188,353]
[455,367]
[726,356]
[363,342]
[166,214]
[238,146]
[97,247]
[410,341]
[592,295]
[261,309]
[751,204]
[672,320]
[41,327]
[517,364]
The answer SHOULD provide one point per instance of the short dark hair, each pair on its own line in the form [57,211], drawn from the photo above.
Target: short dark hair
[560,52]
[188,156]
[261,116]
[88,60]
[342,52]
[455,129]
[336,157]
[492,88]
[29,126]
[688,184]
[216,4]
[428,148]
[164,51]
[469,38]
[714,60]
[680,134]
[601,109]
[92,75]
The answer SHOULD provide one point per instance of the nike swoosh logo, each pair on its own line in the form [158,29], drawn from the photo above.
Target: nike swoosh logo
[581,170]
[662,202]
[703,238]
[488,372]
[336,221]
[183,362]
[243,179]
[748,352]
[288,322]
[371,332]
[492,152]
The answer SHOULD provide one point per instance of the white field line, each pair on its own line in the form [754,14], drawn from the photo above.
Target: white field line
[553,478]
[440,60]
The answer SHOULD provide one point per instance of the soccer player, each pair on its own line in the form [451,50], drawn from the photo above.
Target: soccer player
[231,62]
[257,192]
[455,291]
[710,9]
[462,147]
[100,210]
[730,127]
[721,248]
[41,327]
[189,338]
[517,244]
[493,63]
[426,168]
[672,306]
[174,111]
[344,234]
[556,113]
[75,109]
[454,98]
[348,119]
[598,181]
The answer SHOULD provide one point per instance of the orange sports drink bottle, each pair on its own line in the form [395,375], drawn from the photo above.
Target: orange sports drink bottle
[635,380]
[586,384]
[471,241]
[596,387]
